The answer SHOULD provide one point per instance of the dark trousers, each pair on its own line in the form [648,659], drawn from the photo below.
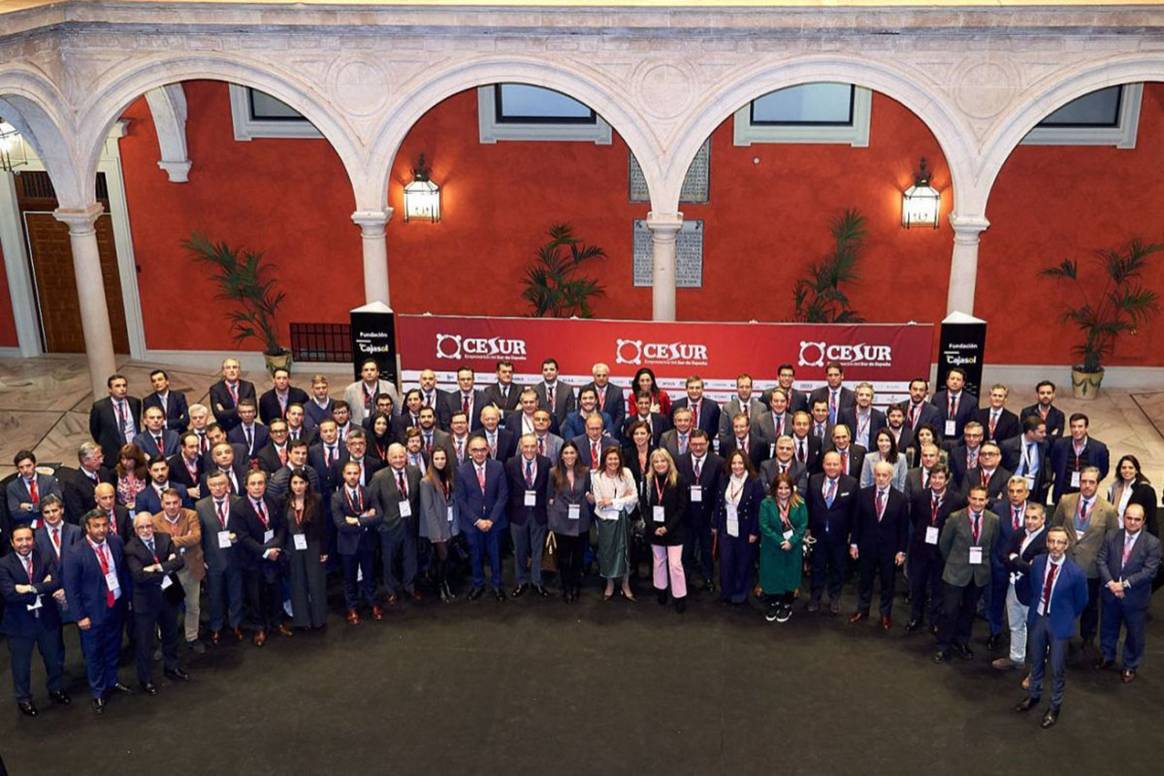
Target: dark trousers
[877,564]
[264,596]
[358,580]
[146,626]
[828,561]
[225,591]
[1115,614]
[959,605]
[996,598]
[481,544]
[101,646]
[697,544]
[308,587]
[736,560]
[399,542]
[52,652]
[1041,642]
[1089,620]
[925,585]
[570,559]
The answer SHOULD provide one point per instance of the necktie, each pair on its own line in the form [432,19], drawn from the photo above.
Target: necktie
[110,598]
[974,519]
[1017,517]
[914,412]
[541,445]
[460,449]
[401,485]
[119,408]
[935,505]
[1052,569]
[428,442]
[481,478]
[744,408]
[282,402]
[529,477]
[57,539]
[985,478]
[832,406]
[925,478]
[282,451]
[682,444]
[594,455]
[465,404]
[698,468]
[880,504]
[953,407]
[250,439]
[800,456]
[550,397]
[830,492]
[1129,542]
[845,460]
[158,444]
[220,508]
[34,492]
[491,438]
[779,424]
[820,431]
[150,547]
[203,442]
[357,500]
[695,414]
[1081,523]
[993,423]
[971,459]
[329,454]
[261,511]
[28,569]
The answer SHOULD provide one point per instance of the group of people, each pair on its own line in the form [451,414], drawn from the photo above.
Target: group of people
[246,503]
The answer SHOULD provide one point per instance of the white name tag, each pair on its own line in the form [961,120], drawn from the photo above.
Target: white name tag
[931,534]
[575,512]
[224,540]
[733,525]
[530,499]
[1030,478]
[405,508]
[787,535]
[300,541]
[166,581]
[38,603]
[658,515]
[696,493]
[1075,479]
[268,535]
[450,514]
[951,428]
[771,449]
[111,581]
[359,574]
[975,556]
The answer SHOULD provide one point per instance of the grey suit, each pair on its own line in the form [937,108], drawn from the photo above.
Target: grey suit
[796,470]
[354,396]
[397,532]
[964,581]
[731,408]
[223,575]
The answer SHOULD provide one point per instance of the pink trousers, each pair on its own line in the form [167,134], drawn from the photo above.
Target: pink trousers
[669,559]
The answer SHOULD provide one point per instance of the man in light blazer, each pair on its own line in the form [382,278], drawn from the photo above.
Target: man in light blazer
[361,395]
[1128,561]
[743,401]
[967,541]
[481,495]
[1087,517]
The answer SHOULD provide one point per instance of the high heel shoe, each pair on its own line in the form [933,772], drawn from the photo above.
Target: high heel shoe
[628,595]
[608,594]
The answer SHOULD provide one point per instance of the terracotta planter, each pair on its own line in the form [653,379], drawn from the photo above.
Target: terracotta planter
[274,362]
[1085,385]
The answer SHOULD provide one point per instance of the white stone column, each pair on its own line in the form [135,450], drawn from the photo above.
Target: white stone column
[90,293]
[372,225]
[664,229]
[964,263]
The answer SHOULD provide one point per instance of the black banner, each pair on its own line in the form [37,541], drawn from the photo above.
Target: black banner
[962,343]
[374,336]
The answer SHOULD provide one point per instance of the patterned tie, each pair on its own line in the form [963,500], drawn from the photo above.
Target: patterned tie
[593,456]
[481,478]
[880,504]
[57,539]
[1017,517]
[550,397]
[974,519]
[529,476]
[401,485]
[1129,542]
[698,468]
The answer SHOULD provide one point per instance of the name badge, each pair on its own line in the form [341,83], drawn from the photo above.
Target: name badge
[975,556]
[359,574]
[300,541]
[733,512]
[658,515]
[733,525]
[931,534]
[696,494]
[268,535]
[530,499]
[38,603]
[111,581]
[224,540]
[166,581]
[450,514]
[1075,479]
[1030,478]
[575,512]
[405,508]
[951,428]
[787,535]
[771,449]
[715,445]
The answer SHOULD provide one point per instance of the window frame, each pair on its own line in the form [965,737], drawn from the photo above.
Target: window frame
[491,130]
[1123,135]
[746,132]
[247,127]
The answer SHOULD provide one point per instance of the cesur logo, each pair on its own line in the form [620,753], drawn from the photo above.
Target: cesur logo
[456,346]
[817,353]
[637,352]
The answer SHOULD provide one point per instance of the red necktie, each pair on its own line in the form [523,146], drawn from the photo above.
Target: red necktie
[282,451]
[1048,585]
[880,505]
[28,568]
[465,404]
[110,600]
[695,414]
[33,491]
[401,485]
[974,519]
[935,505]
[953,407]
[57,539]
[481,478]
[529,476]
[261,511]
[593,456]
[993,424]
[222,513]
[1129,542]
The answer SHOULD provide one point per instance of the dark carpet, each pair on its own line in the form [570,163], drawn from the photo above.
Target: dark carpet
[538,686]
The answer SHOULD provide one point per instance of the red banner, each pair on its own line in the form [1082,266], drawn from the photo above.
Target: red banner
[887,355]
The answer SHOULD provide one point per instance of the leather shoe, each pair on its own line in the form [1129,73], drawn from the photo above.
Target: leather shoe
[260,638]
[1128,676]
[994,642]
[941,656]
[834,606]
[177,674]
[352,616]
[149,688]
[1104,664]
[1002,664]
[27,709]
[1050,718]
[283,630]
[392,599]
[377,613]
[121,688]
[215,637]
[238,634]
[912,626]
[1026,704]
[813,607]
[857,616]
[475,593]
[60,698]
[99,705]
[519,590]
[886,622]
[499,594]
[416,596]
[964,651]
[541,591]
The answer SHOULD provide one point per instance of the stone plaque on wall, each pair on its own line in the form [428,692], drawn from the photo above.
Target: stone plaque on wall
[688,255]
[696,185]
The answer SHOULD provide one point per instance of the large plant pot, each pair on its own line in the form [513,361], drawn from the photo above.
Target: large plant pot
[1085,385]
[277,361]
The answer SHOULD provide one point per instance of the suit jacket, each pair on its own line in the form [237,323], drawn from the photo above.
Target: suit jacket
[708,414]
[1013,452]
[454,405]
[1063,462]
[921,514]
[77,490]
[966,411]
[241,459]
[674,503]
[349,537]
[1056,421]
[279,485]
[227,417]
[371,466]
[473,504]
[747,511]
[1083,547]
[239,468]
[711,475]
[1007,427]
[149,501]
[575,424]
[957,463]
[757,448]
[355,397]
[85,583]
[103,426]
[316,460]
[260,438]
[885,537]
[1068,597]
[308,435]
[507,403]
[831,523]
[929,415]
[506,442]
[183,476]
[564,401]
[813,450]
[669,441]
[995,488]
[386,497]
[846,399]
[1142,567]
[796,470]
[765,426]
[731,408]
[252,542]
[18,494]
[856,459]
[1006,530]
[440,401]
[268,458]
[955,542]
[877,422]
[1142,494]
[519,514]
[70,535]
[613,403]
[1017,561]
[797,400]
[584,452]
[170,443]
[18,621]
[175,407]
[148,600]
[659,424]
[186,535]
[218,559]
[269,407]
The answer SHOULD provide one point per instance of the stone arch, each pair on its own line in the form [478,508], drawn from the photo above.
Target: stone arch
[599,93]
[33,104]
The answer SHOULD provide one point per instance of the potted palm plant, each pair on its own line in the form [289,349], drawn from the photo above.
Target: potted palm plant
[245,280]
[552,286]
[818,297]
[1121,306]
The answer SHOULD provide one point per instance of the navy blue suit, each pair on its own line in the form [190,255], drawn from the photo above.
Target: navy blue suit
[1052,630]
[1142,566]
[829,525]
[697,539]
[151,610]
[170,444]
[848,417]
[965,411]
[356,544]
[149,500]
[474,505]
[708,414]
[86,592]
[1055,421]
[223,574]
[176,409]
[262,577]
[25,629]
[260,436]
[736,553]
[614,404]
[1064,463]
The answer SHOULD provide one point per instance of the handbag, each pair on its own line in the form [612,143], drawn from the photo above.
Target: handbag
[549,558]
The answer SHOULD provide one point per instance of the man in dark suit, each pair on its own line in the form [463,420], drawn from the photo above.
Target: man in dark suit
[852,455]
[261,529]
[528,481]
[998,423]
[609,397]
[784,462]
[657,422]
[1057,590]
[279,486]
[437,398]
[97,586]
[1020,550]
[152,558]
[503,394]
[432,437]
[832,502]
[172,403]
[226,394]
[929,509]
[956,406]
[231,462]
[357,522]
[1026,456]
[896,425]
[249,433]
[186,466]
[1011,509]
[55,536]
[282,394]
[29,581]
[501,442]
[155,440]
[967,541]
[878,542]
[591,444]
[520,422]
[1046,410]
[677,439]
[273,455]
[702,470]
[785,380]
[150,498]
[114,420]
[356,451]
[297,428]
[481,496]
[224,588]
[322,455]
[820,428]
[704,411]
[553,394]
[120,524]
[1074,453]
[395,493]
[863,419]
[917,478]
[918,411]
[743,400]
[77,484]
[806,448]
[1128,562]
[466,398]
[26,491]
[834,394]
[989,473]
[742,438]
[964,456]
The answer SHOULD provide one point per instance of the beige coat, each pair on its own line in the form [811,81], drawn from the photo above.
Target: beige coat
[1084,548]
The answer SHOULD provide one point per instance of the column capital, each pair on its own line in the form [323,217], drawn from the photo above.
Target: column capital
[968,228]
[372,222]
[664,225]
[80,220]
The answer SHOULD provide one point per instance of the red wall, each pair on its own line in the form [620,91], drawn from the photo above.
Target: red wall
[7,322]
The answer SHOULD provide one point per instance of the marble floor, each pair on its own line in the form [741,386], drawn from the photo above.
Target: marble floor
[44,404]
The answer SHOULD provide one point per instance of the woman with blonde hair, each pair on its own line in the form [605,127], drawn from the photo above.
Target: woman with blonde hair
[665,513]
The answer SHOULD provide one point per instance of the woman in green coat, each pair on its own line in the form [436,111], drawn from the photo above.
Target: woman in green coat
[783,520]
